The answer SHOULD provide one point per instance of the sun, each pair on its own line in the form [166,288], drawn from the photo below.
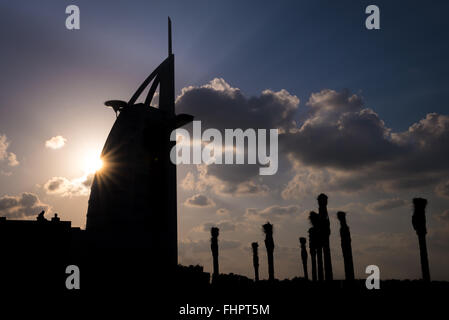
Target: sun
[92,163]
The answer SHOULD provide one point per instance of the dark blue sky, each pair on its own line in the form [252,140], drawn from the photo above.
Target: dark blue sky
[302,46]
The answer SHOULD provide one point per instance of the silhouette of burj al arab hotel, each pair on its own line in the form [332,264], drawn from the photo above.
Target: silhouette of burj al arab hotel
[133,199]
[132,210]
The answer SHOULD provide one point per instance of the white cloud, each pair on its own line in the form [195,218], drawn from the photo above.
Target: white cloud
[12,160]
[338,132]
[188,183]
[272,212]
[3,147]
[64,187]
[199,201]
[22,206]
[229,180]
[56,142]
[5,155]
[342,146]
[231,109]
[339,143]
[307,181]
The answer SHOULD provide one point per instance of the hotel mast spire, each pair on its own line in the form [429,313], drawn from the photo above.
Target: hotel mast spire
[170,52]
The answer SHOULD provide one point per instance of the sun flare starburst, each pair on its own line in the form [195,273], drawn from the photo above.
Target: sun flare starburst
[92,163]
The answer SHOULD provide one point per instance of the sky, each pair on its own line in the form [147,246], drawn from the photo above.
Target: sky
[364,116]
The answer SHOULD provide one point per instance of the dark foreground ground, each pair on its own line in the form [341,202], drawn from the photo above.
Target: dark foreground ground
[134,292]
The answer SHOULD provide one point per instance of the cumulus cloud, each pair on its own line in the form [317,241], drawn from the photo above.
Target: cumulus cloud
[426,143]
[246,188]
[12,160]
[272,212]
[56,142]
[385,205]
[199,201]
[230,180]
[335,142]
[22,206]
[306,181]
[188,183]
[231,109]
[6,156]
[64,187]
[343,146]
[338,132]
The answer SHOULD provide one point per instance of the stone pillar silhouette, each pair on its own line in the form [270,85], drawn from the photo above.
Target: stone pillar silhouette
[419,224]
[317,239]
[303,241]
[346,247]
[325,232]
[269,245]
[312,250]
[255,246]
[214,247]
